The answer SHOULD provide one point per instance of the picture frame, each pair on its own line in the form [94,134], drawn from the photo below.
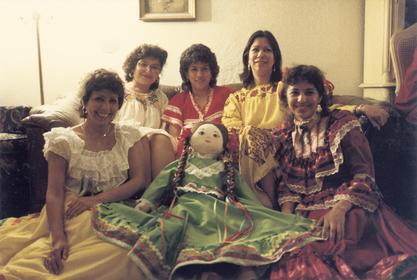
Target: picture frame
[166,10]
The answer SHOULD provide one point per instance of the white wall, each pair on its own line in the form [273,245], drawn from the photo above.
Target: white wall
[80,35]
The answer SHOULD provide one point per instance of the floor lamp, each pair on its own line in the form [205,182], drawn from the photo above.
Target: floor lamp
[36,17]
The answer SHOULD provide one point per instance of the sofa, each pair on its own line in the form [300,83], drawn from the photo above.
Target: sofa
[64,113]
[14,176]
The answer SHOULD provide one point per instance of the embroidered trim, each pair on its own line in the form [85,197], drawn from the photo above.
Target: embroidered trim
[202,113]
[172,121]
[174,109]
[208,171]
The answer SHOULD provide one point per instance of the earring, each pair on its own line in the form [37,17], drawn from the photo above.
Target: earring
[84,111]
[273,68]
[249,67]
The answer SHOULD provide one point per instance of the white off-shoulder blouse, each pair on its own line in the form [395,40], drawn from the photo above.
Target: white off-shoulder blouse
[90,171]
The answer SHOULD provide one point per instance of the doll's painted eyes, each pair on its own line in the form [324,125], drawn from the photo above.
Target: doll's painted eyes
[215,135]
[201,132]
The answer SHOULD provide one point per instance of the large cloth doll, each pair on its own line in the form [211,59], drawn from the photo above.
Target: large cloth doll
[198,213]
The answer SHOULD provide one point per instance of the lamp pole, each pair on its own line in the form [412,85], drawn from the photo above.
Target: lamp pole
[38,44]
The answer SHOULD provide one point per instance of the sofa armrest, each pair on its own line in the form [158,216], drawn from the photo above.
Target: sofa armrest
[62,113]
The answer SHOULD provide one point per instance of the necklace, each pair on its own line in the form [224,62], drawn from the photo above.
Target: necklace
[106,133]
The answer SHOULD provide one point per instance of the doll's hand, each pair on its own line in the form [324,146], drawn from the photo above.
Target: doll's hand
[143,206]
[377,115]
[79,205]
[53,263]
[334,221]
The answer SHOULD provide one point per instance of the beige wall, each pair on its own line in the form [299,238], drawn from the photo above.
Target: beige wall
[80,35]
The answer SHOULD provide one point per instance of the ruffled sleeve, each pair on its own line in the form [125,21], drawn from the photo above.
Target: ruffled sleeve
[232,114]
[129,132]
[361,190]
[61,141]
[173,112]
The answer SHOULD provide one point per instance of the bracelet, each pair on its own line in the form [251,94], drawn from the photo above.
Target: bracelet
[358,110]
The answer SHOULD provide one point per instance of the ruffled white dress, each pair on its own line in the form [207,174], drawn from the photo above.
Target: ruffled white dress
[145,109]
[25,241]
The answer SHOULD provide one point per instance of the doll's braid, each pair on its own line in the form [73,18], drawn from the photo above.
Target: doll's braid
[230,183]
[179,174]
[169,194]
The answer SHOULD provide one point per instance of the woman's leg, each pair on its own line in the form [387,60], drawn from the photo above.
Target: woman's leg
[162,153]
[269,186]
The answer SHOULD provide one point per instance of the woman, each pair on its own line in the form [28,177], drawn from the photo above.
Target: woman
[254,110]
[201,99]
[145,102]
[328,175]
[94,162]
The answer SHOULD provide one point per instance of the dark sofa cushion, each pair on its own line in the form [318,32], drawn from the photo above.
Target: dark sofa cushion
[10,118]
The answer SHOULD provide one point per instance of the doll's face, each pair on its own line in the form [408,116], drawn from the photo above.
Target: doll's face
[207,139]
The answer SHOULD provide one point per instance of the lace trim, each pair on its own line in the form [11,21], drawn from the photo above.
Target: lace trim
[335,147]
[302,189]
[204,172]
[289,198]
[337,159]
[102,166]
[362,203]
[331,203]
[193,187]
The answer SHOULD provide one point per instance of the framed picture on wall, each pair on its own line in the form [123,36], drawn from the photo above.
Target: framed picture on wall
[166,10]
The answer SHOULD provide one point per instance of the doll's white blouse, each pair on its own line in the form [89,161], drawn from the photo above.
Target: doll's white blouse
[148,113]
[104,169]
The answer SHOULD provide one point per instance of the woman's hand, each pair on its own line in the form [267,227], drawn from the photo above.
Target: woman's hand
[377,115]
[79,205]
[60,249]
[334,221]
[142,206]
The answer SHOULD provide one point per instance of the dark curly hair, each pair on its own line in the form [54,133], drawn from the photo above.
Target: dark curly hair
[141,52]
[194,54]
[310,74]
[246,76]
[98,80]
